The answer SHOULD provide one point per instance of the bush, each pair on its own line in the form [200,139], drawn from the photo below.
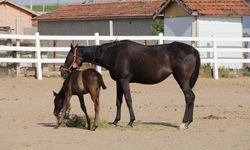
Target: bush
[245,72]
[77,121]
[224,72]
[206,71]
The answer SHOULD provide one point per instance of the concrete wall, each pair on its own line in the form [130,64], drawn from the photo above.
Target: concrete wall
[132,26]
[73,27]
[15,18]
[246,24]
[120,27]
[178,26]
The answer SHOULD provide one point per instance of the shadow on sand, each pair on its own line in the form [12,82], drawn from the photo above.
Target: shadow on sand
[160,124]
[49,125]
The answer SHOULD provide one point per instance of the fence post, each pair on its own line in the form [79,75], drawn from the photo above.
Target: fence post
[215,67]
[97,42]
[18,70]
[38,57]
[160,38]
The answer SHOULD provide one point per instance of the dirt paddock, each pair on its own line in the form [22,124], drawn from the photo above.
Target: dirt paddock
[221,117]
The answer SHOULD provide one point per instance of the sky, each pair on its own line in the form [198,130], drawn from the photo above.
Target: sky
[27,2]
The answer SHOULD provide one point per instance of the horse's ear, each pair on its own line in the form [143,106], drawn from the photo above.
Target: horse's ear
[71,46]
[54,93]
[76,44]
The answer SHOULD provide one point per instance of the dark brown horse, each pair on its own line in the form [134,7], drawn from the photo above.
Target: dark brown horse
[79,83]
[128,62]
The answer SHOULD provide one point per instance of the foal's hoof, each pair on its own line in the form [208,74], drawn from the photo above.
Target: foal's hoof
[183,126]
[93,128]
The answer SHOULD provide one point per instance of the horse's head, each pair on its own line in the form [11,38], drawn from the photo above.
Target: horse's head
[73,61]
[58,102]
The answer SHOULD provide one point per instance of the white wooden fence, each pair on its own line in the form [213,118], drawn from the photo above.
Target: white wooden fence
[97,38]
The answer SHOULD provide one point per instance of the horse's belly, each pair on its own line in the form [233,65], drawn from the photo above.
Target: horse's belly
[150,78]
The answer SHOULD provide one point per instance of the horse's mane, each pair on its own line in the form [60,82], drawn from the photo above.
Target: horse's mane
[114,43]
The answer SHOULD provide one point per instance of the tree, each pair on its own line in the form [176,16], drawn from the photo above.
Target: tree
[157,27]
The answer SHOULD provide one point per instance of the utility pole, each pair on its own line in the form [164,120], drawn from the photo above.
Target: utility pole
[31,5]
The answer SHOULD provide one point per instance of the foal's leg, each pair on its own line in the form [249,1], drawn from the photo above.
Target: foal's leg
[119,94]
[95,99]
[189,98]
[81,99]
[127,94]
[64,109]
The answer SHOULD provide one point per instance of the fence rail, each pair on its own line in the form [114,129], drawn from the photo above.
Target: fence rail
[38,60]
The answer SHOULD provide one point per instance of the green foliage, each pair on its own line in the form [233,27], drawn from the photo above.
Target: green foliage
[224,72]
[48,7]
[77,121]
[157,27]
[245,72]
[206,71]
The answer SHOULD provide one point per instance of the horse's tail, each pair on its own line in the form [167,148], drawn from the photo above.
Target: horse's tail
[100,81]
[195,74]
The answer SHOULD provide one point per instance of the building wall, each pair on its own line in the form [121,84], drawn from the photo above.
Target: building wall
[174,10]
[246,24]
[178,26]
[230,27]
[120,27]
[17,19]
[132,26]
[73,27]
[220,27]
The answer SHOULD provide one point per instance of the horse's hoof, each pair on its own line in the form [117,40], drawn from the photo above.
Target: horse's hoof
[130,125]
[87,126]
[56,127]
[183,126]
[114,124]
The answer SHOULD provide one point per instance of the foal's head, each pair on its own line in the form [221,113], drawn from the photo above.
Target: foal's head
[58,102]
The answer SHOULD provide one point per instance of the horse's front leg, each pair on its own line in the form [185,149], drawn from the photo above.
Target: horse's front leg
[127,94]
[119,94]
[63,112]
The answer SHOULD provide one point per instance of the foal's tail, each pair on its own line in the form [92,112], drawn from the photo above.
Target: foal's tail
[195,74]
[100,81]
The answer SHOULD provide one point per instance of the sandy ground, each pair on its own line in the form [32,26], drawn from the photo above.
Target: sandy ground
[221,117]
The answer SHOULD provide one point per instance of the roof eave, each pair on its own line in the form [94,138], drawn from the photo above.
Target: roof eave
[21,7]
[94,18]
[167,3]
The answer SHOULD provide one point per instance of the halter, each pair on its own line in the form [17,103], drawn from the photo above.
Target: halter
[73,65]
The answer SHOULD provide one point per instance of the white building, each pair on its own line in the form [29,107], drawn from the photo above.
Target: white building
[221,18]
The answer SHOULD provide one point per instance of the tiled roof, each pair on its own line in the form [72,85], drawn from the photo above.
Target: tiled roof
[218,7]
[115,10]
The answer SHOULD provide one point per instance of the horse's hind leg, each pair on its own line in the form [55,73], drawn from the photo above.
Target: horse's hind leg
[119,95]
[81,99]
[189,98]
[95,99]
